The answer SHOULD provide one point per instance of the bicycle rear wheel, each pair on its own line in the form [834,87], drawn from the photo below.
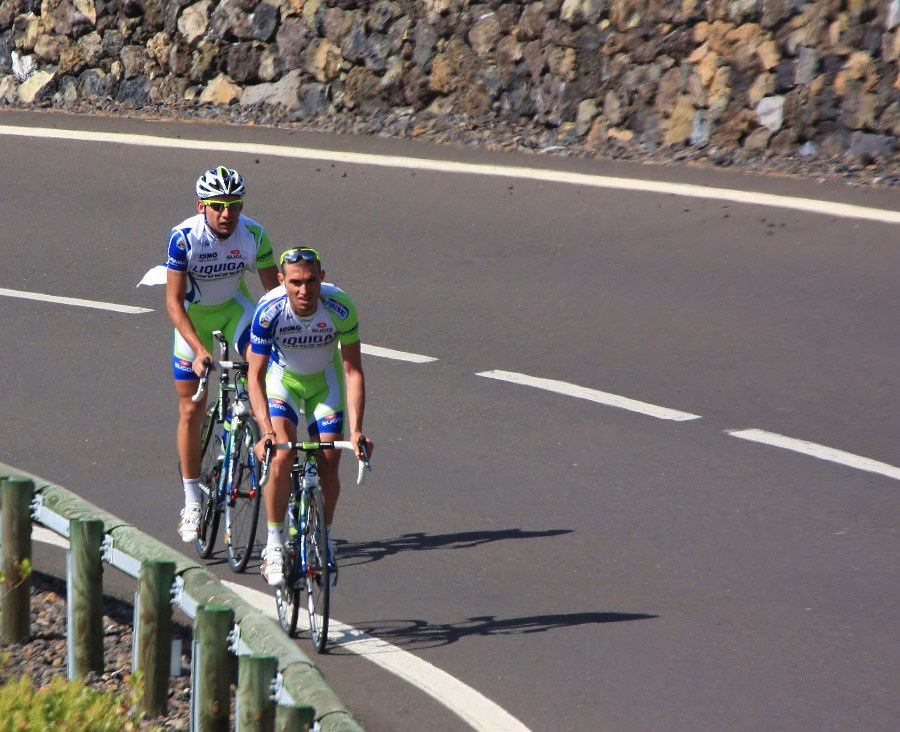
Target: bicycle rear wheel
[287,596]
[242,499]
[318,575]
[210,470]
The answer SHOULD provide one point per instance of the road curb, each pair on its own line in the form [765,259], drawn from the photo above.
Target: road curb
[302,680]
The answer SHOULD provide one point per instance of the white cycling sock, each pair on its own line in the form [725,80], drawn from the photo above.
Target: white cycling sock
[192,491]
[275,536]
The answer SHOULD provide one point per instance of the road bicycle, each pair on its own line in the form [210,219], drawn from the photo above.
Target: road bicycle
[307,564]
[229,471]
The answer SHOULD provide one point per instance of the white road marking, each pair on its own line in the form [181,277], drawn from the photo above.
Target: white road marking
[479,712]
[396,355]
[818,451]
[827,208]
[601,397]
[73,301]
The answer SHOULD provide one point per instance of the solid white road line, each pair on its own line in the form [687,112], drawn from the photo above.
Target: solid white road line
[396,355]
[601,397]
[818,451]
[479,712]
[470,705]
[73,301]
[828,208]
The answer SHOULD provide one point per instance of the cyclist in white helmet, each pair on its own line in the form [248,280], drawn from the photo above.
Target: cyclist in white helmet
[205,292]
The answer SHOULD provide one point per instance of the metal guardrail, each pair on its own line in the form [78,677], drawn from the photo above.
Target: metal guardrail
[297,680]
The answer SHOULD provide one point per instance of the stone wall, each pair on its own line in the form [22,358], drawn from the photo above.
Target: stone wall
[811,79]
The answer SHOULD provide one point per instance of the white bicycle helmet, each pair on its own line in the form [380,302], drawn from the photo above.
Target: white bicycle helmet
[220,181]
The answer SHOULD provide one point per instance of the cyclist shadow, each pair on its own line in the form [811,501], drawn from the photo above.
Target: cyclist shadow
[410,634]
[354,553]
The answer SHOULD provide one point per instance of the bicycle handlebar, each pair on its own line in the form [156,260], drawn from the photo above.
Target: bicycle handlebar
[313,447]
[210,365]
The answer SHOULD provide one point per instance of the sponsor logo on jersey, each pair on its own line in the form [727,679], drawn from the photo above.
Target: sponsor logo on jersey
[235,251]
[321,325]
[220,269]
[268,315]
[259,341]
[329,420]
[206,256]
[183,365]
[335,307]
[306,341]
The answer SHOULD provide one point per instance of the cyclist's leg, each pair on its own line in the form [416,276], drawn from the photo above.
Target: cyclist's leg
[284,411]
[326,423]
[190,413]
[187,436]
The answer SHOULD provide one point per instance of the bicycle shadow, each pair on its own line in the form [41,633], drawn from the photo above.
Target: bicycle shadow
[355,553]
[410,634]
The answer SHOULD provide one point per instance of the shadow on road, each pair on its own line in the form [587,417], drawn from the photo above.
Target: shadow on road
[353,553]
[419,634]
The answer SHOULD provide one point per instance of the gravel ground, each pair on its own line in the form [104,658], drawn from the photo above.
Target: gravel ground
[44,656]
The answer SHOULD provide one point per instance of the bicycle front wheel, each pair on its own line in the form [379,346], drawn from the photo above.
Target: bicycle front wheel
[318,574]
[210,471]
[242,497]
[287,596]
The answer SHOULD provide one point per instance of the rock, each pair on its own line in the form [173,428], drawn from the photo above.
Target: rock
[587,112]
[38,85]
[325,60]
[866,149]
[194,20]
[770,112]
[680,124]
[484,35]
[221,90]
[758,140]
[243,62]
[285,92]
[263,22]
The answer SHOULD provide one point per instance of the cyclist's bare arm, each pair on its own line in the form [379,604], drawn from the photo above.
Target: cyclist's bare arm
[176,287]
[256,386]
[268,276]
[355,382]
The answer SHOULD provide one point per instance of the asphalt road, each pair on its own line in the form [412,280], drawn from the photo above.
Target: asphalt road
[582,566]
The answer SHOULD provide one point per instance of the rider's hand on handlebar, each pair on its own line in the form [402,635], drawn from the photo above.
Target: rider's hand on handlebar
[202,362]
[354,438]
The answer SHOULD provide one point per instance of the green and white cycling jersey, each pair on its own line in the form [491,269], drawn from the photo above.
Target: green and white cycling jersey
[215,267]
[303,345]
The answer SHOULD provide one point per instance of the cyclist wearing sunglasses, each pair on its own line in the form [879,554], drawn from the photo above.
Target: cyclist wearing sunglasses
[304,351]
[205,291]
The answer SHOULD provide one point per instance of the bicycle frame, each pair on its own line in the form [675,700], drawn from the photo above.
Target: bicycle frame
[241,506]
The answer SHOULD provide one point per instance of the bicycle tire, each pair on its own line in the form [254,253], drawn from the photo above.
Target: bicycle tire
[210,469]
[242,501]
[318,574]
[287,596]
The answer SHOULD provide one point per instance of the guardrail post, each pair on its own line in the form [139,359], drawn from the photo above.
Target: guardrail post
[290,718]
[154,633]
[211,668]
[85,597]
[16,539]
[255,704]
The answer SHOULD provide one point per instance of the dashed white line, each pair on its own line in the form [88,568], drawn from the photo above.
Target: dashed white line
[396,355]
[601,397]
[828,208]
[40,297]
[817,451]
